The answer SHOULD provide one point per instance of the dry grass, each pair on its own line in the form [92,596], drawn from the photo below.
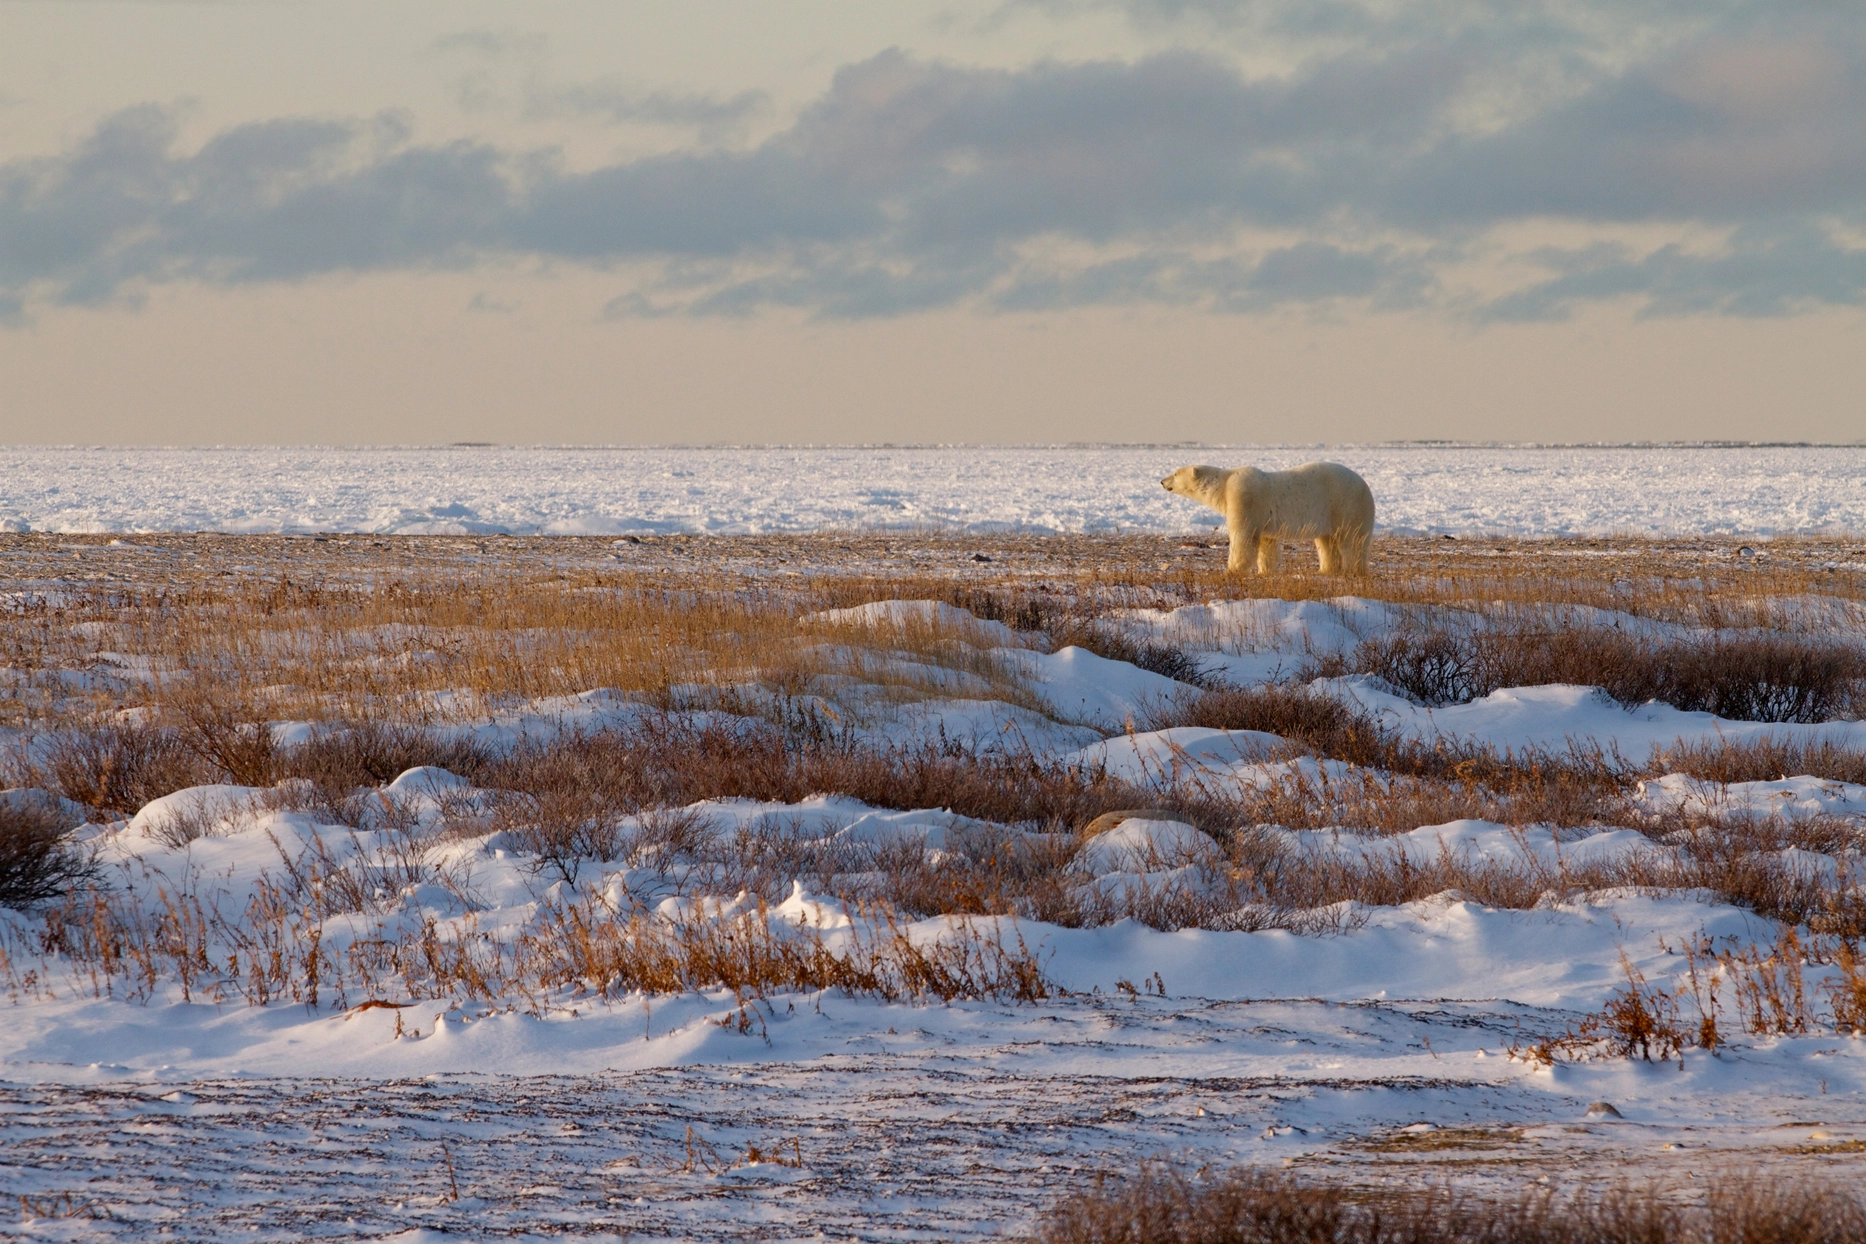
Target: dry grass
[1164,1206]
[119,943]
[418,629]
[158,665]
[1761,989]
[1763,759]
[583,798]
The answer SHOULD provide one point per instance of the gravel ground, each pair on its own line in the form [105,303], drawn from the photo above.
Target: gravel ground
[38,560]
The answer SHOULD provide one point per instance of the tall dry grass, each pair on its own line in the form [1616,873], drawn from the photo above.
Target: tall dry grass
[163,674]
[579,799]
[424,629]
[1162,1205]
[334,931]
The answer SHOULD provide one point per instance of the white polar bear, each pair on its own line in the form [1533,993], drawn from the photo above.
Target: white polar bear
[1320,501]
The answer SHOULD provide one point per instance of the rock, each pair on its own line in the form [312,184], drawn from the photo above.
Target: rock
[1602,1110]
[1108,820]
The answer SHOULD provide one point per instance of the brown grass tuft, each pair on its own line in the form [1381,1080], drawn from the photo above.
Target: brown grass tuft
[1246,1206]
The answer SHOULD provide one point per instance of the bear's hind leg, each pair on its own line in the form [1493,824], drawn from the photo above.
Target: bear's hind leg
[1354,552]
[1328,552]
[1269,554]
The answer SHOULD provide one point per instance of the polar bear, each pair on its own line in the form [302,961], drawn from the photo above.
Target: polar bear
[1320,501]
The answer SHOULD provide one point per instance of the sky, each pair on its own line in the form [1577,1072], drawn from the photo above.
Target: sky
[829,221]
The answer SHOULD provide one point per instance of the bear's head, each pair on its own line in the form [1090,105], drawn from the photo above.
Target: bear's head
[1204,484]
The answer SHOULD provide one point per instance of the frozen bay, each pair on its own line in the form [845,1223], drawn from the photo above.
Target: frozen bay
[464,490]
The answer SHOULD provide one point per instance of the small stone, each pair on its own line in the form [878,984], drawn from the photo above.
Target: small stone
[980,557]
[1603,1109]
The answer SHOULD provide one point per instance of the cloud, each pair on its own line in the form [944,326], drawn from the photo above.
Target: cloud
[493,44]
[1368,175]
[1704,135]
[1754,276]
[1306,272]
[618,102]
[484,303]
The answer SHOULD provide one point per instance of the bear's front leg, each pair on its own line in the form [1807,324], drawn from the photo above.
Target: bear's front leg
[1243,549]
[1269,555]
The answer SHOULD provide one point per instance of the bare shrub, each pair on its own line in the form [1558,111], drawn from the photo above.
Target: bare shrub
[1246,1206]
[1759,1210]
[1701,978]
[1160,1205]
[1779,678]
[1763,759]
[117,944]
[672,761]
[1770,994]
[1328,726]
[1074,622]
[1846,994]
[340,757]
[38,860]
[1773,678]
[241,749]
[561,827]
[121,767]
[577,947]
[1642,1020]
[1431,666]
[176,827]
[1638,1020]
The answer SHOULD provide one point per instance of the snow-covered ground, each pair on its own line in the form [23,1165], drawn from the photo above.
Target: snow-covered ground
[596,491]
[1383,1041]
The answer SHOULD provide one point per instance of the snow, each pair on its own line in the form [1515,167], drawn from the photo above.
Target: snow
[1142,845]
[930,614]
[1552,717]
[1087,689]
[1072,488]
[911,1121]
[984,725]
[1790,799]
[1292,629]
[1479,842]
[1179,754]
[637,1116]
[204,807]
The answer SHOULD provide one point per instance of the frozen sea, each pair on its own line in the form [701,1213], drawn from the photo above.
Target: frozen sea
[520,490]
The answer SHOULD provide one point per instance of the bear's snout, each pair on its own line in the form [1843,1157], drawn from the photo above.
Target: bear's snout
[1167,483]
